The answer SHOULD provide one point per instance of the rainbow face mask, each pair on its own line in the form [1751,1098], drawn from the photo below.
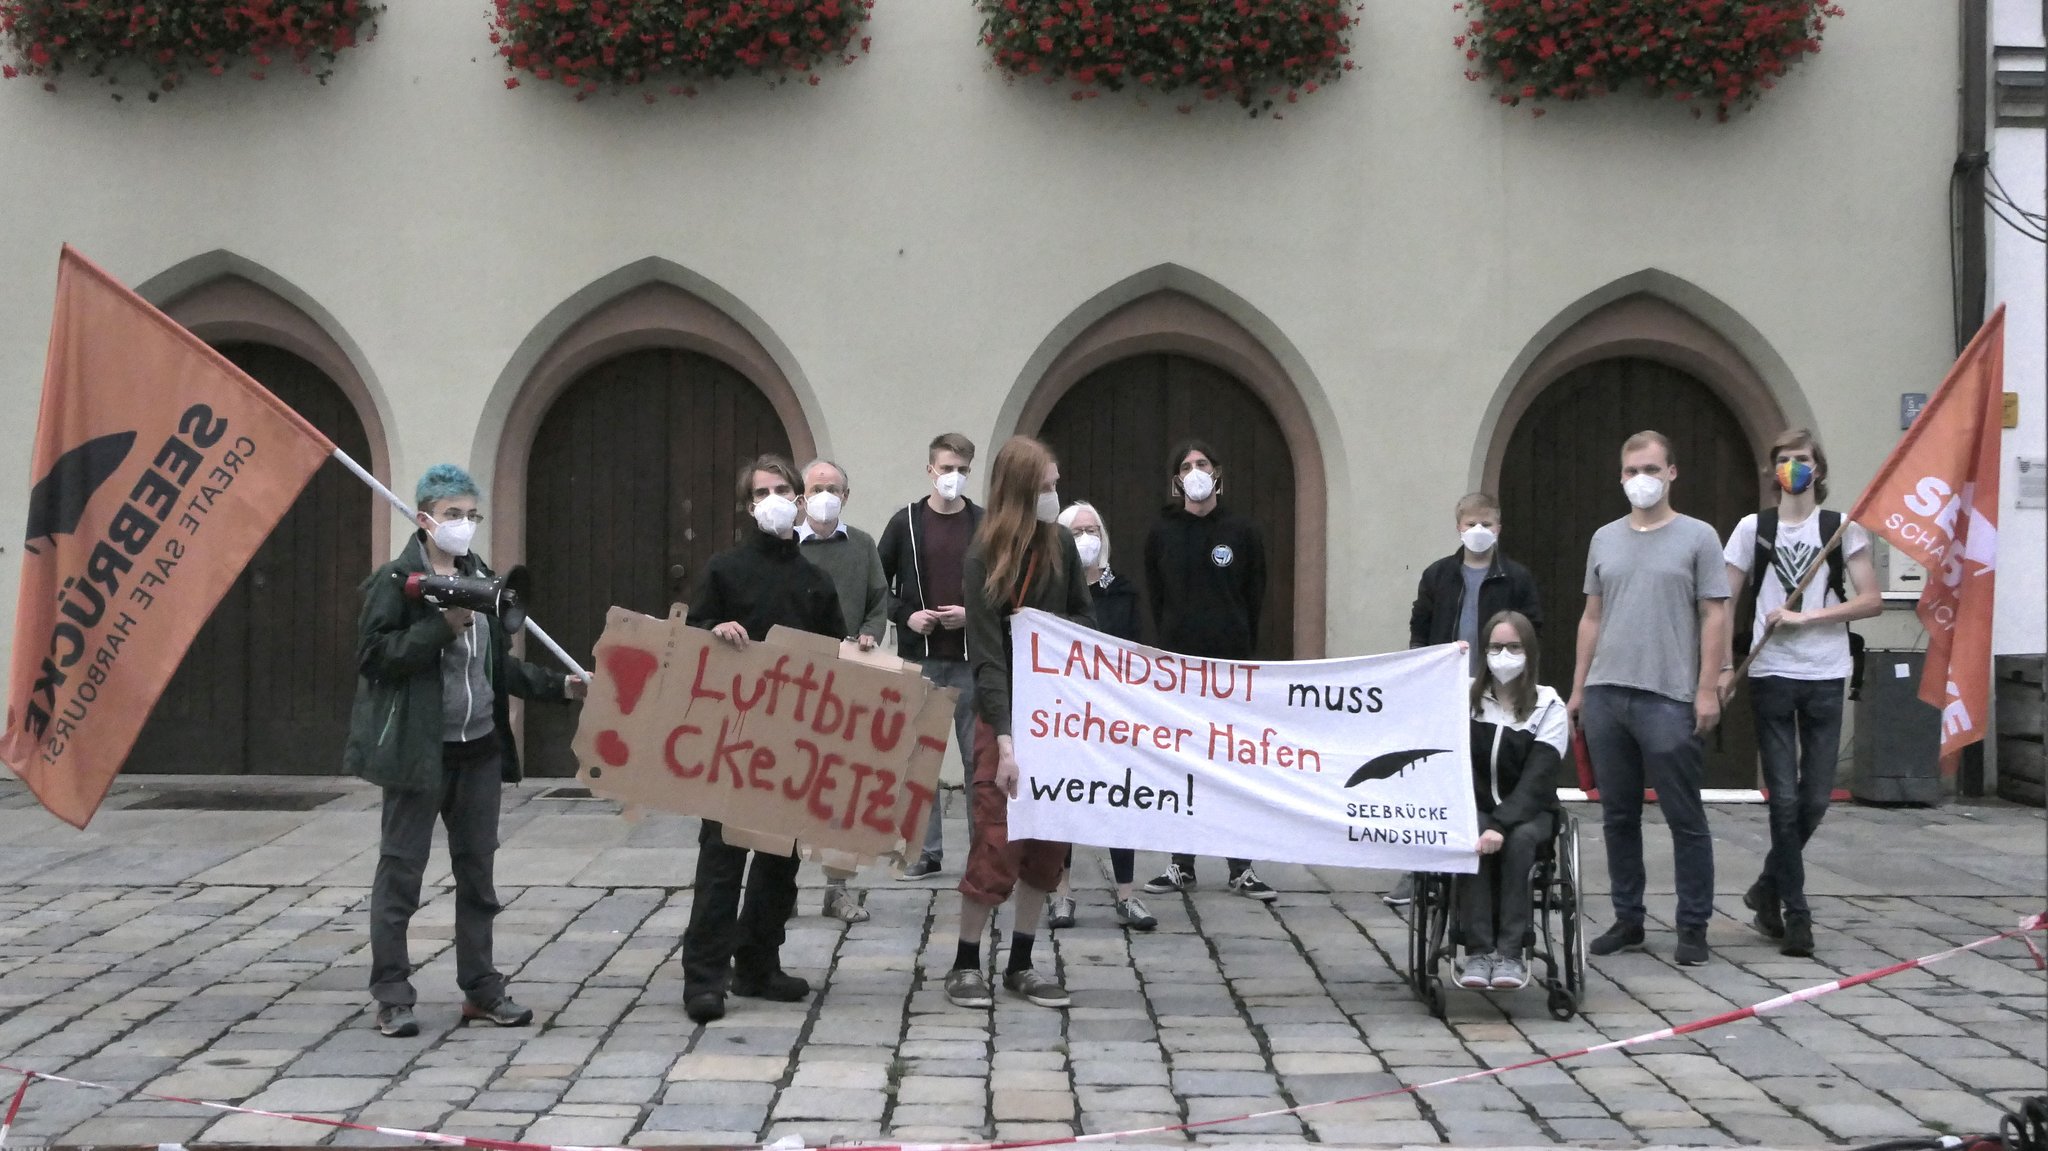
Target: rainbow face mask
[1795,476]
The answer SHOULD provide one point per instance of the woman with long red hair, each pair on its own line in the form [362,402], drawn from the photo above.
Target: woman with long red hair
[1021,558]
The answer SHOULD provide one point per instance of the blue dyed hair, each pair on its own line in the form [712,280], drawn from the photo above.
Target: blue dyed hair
[443,482]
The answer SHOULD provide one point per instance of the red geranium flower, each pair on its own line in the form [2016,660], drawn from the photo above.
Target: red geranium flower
[680,42]
[169,39]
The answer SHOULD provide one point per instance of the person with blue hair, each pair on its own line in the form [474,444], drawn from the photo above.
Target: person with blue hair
[431,726]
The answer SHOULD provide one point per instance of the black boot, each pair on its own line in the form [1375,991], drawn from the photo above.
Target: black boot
[1762,898]
[1798,935]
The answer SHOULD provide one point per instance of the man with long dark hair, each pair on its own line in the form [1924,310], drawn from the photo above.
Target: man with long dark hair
[1205,572]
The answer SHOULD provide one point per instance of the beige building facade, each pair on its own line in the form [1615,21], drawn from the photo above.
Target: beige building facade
[1400,292]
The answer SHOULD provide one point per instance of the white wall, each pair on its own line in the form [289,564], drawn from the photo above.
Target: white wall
[2019,280]
[910,232]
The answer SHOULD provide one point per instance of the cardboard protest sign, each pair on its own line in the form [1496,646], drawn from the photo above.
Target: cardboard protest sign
[1360,762]
[781,741]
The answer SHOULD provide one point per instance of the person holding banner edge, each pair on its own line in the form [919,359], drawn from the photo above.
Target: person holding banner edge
[1520,734]
[747,590]
[1799,661]
[1651,641]
[1020,558]
[1459,592]
[1114,600]
[432,728]
[848,555]
[1205,570]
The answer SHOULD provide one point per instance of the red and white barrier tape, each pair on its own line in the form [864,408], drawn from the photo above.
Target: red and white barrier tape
[14,1108]
[2031,924]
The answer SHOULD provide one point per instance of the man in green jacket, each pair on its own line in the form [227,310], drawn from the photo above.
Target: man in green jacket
[432,728]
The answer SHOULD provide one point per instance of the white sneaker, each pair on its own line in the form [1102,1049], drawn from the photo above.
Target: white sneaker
[1477,973]
[1509,973]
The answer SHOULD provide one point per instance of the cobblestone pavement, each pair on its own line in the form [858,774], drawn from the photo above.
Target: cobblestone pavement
[222,955]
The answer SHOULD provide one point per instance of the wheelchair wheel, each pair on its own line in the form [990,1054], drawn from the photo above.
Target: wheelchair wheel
[1434,997]
[1571,911]
[1419,964]
[1562,1003]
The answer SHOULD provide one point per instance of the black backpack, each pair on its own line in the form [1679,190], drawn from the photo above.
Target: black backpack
[1760,565]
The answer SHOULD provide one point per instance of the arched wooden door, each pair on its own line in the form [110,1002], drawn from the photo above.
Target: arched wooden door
[629,491]
[1561,480]
[1112,431]
[267,684]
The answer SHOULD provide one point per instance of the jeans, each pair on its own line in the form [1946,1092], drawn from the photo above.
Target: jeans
[1799,733]
[468,805]
[956,674]
[1497,905]
[1640,738]
[720,931]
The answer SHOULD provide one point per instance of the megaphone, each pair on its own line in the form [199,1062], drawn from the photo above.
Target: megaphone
[502,596]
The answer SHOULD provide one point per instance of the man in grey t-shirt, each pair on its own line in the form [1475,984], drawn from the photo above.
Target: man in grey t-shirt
[1651,644]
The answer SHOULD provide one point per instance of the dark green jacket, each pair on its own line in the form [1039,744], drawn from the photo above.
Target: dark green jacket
[394,732]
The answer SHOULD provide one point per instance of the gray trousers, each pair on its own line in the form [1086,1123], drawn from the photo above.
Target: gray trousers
[957,674]
[1497,905]
[468,804]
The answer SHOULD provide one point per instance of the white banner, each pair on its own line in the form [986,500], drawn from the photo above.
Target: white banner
[1360,762]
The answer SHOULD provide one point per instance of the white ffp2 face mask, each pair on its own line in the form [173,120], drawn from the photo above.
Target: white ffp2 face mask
[1090,548]
[454,538]
[950,485]
[775,514]
[1048,507]
[1643,491]
[1198,485]
[1478,539]
[822,507]
[1506,666]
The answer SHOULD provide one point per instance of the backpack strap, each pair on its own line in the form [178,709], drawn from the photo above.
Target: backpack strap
[1744,623]
[1838,559]
[1766,544]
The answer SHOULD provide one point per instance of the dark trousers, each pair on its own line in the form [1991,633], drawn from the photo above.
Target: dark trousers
[1497,905]
[1123,862]
[1187,863]
[721,931]
[1640,738]
[467,805]
[1799,733]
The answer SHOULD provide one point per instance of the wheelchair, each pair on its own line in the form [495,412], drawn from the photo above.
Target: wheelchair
[1556,939]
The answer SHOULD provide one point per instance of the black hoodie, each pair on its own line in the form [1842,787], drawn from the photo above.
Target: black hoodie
[1207,579]
[764,582]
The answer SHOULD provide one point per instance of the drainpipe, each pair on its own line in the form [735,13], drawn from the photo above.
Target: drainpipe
[1969,246]
[1966,186]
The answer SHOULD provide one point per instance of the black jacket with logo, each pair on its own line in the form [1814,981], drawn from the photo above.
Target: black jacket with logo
[1440,597]
[1207,579]
[763,582]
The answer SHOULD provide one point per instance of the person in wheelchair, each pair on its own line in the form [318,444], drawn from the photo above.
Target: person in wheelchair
[1520,733]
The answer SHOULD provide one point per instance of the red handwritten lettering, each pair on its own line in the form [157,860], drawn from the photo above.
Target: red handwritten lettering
[629,669]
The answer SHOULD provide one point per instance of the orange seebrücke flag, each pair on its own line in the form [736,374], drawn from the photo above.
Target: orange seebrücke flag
[159,469]
[1936,501]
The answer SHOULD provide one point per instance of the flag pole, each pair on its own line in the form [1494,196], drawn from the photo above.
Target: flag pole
[1805,581]
[407,511]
